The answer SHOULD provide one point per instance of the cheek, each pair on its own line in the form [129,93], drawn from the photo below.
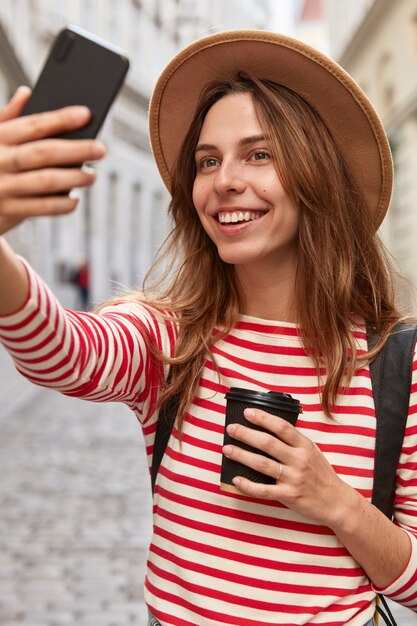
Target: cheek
[199,195]
[195,198]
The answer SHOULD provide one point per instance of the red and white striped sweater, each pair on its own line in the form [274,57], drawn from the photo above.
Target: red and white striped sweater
[217,558]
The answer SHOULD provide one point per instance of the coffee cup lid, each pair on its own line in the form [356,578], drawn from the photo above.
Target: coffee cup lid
[265,399]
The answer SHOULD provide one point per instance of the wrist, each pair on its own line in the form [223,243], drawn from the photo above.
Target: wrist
[14,281]
[346,514]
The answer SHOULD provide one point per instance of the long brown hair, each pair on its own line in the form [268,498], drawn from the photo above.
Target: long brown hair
[343,275]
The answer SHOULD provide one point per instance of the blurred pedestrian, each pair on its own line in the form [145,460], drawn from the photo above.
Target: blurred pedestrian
[82,281]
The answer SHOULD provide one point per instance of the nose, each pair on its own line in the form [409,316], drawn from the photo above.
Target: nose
[229,178]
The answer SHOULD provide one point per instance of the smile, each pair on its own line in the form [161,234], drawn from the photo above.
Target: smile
[234,217]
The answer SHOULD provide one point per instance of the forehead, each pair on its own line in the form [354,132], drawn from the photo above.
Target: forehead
[233,113]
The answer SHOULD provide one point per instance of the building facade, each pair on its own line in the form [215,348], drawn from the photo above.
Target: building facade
[122,220]
[310,24]
[376,42]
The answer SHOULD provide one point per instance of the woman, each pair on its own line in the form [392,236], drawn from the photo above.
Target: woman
[282,178]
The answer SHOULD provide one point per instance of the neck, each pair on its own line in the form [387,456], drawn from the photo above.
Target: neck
[268,296]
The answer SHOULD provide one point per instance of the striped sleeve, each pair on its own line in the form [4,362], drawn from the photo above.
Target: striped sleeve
[100,357]
[404,589]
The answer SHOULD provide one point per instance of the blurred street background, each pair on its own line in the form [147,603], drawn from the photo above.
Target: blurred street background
[75,511]
[74,491]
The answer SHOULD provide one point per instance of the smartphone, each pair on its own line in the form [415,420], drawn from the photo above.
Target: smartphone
[80,69]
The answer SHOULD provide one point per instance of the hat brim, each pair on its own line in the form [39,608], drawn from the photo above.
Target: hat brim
[347,112]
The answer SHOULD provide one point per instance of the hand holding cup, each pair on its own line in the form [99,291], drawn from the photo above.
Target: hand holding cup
[276,403]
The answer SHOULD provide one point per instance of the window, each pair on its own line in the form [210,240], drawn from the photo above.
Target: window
[134,234]
[111,230]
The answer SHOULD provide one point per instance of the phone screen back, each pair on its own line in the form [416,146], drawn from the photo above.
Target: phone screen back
[79,70]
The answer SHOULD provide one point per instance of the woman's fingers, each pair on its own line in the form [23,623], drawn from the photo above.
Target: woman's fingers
[48,153]
[255,461]
[304,479]
[40,125]
[279,441]
[15,105]
[37,167]
[277,425]
[42,182]
[31,184]
[14,211]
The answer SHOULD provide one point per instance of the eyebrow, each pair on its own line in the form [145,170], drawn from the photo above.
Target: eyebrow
[245,141]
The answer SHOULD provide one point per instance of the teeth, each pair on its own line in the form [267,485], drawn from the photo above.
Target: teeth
[238,216]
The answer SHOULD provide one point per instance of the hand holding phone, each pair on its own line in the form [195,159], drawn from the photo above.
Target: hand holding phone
[80,70]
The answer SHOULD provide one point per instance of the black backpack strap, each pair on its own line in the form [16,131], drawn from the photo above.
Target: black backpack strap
[165,424]
[385,613]
[391,373]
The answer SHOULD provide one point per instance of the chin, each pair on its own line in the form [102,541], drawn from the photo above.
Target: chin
[233,259]
[235,255]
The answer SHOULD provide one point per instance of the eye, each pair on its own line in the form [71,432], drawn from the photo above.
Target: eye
[260,155]
[207,162]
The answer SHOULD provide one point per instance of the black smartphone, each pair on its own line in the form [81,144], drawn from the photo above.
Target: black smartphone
[80,69]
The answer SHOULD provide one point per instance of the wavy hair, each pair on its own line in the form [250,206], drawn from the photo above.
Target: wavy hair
[344,274]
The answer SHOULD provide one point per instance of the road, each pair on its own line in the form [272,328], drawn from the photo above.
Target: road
[75,512]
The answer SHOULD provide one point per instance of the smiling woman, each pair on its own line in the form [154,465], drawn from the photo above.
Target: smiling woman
[280,174]
[236,176]
[306,206]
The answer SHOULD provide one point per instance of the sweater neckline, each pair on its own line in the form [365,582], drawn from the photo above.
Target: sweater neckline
[270,327]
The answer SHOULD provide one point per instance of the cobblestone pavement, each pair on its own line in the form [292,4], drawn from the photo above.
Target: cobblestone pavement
[74,511]
[74,514]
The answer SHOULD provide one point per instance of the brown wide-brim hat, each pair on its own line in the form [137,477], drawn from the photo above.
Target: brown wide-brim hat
[341,103]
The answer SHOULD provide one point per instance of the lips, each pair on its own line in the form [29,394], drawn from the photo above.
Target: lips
[237,216]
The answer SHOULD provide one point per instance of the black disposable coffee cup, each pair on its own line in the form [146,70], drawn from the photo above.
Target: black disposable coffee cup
[237,400]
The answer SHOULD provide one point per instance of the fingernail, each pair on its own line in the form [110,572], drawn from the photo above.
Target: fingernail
[23,89]
[227,450]
[98,150]
[236,481]
[89,170]
[231,428]
[80,112]
[249,414]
